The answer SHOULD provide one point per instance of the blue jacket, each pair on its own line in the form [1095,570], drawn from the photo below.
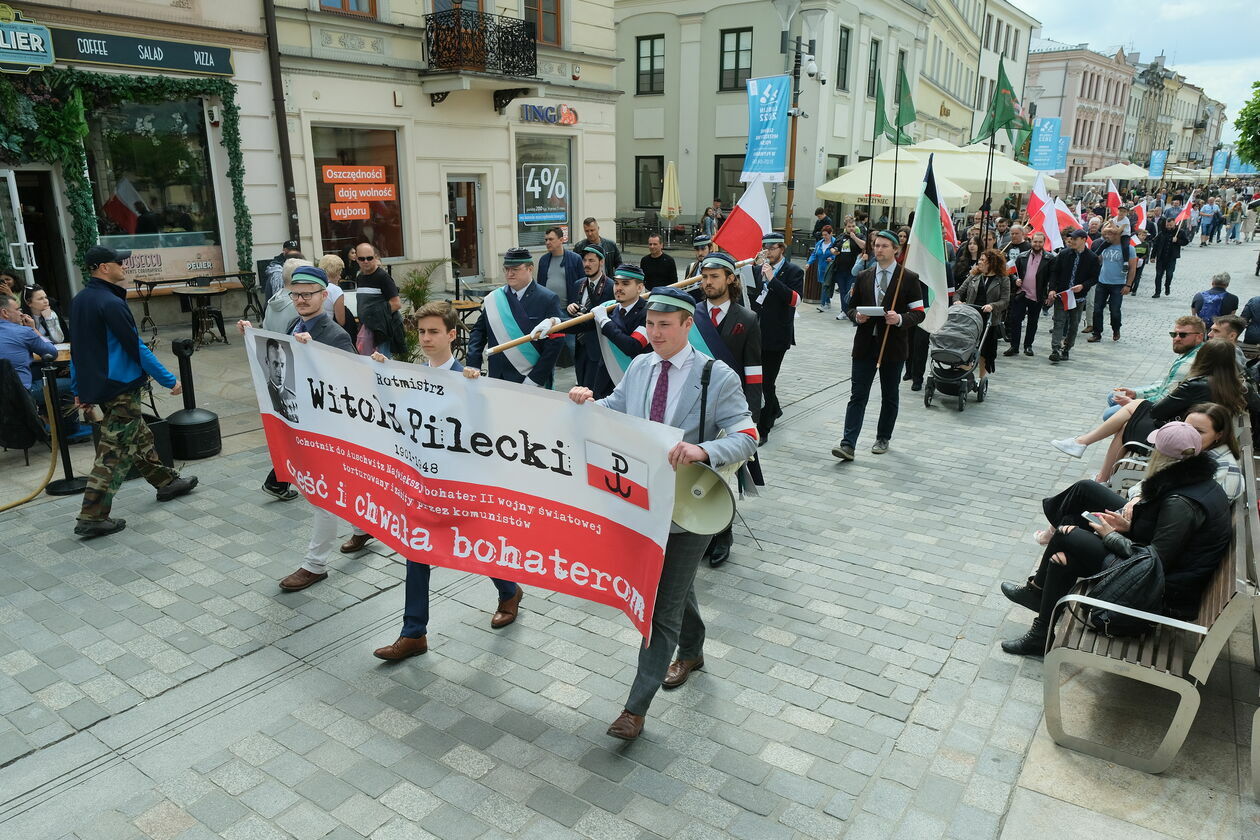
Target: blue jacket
[573,275]
[105,345]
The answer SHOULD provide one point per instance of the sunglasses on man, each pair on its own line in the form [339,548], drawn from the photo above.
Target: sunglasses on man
[365,259]
[1175,334]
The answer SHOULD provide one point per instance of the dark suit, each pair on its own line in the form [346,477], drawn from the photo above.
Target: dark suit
[537,303]
[1025,310]
[416,603]
[741,333]
[627,332]
[775,304]
[905,297]
[587,360]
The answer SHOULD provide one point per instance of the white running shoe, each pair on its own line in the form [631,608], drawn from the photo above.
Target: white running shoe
[1070,446]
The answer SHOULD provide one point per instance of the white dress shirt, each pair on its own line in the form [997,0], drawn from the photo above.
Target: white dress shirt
[680,367]
[720,310]
[444,366]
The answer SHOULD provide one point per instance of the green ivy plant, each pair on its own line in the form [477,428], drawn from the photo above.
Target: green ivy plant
[43,119]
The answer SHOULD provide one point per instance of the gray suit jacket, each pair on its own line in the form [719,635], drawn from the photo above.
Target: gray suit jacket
[726,410]
[325,330]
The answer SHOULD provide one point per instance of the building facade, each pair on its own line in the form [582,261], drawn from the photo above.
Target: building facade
[1005,35]
[684,74]
[947,81]
[1089,92]
[436,129]
[159,178]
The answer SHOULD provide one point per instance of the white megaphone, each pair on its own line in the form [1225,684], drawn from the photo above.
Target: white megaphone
[703,501]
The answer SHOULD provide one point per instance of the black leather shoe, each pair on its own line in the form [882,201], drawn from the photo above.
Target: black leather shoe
[1032,643]
[178,486]
[916,385]
[719,549]
[1014,351]
[1028,351]
[1027,596]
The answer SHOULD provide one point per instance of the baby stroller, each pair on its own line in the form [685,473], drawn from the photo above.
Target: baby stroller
[954,350]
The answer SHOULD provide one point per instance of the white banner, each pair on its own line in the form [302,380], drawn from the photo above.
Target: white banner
[478,475]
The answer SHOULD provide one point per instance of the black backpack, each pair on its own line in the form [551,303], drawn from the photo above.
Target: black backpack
[1136,582]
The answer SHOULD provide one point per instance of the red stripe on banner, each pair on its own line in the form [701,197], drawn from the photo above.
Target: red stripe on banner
[472,527]
[611,482]
[753,379]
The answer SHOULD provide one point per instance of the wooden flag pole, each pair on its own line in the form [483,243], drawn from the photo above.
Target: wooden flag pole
[896,290]
[581,319]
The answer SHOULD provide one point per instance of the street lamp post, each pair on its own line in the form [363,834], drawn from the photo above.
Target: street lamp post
[803,48]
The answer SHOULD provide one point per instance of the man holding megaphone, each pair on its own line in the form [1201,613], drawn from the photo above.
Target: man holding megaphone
[678,385]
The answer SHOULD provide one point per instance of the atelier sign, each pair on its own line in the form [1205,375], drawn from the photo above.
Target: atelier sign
[126,51]
[24,44]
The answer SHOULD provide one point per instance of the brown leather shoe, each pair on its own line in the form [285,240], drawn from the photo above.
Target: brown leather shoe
[404,648]
[508,607]
[355,543]
[300,579]
[679,670]
[627,727]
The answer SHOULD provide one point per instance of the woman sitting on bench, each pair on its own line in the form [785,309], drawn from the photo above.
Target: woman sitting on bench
[1213,377]
[1182,513]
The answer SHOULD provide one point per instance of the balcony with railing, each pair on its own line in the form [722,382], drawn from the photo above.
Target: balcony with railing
[468,40]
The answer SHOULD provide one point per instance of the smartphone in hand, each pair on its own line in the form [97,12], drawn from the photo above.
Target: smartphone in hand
[1092,518]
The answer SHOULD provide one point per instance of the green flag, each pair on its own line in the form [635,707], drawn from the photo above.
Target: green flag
[905,107]
[881,117]
[1003,110]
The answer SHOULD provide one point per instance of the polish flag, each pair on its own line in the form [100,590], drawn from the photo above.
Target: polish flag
[947,225]
[1140,209]
[1113,198]
[121,207]
[740,235]
[1054,238]
[1039,197]
[1064,217]
[1184,215]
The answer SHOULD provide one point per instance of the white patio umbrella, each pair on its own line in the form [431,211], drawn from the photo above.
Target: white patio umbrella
[1119,172]
[854,186]
[671,200]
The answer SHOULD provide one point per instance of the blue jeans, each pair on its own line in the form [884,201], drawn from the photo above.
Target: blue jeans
[1112,408]
[1107,295]
[827,283]
[62,395]
[864,372]
[416,606]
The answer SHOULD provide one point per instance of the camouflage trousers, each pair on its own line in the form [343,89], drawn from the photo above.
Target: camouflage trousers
[125,440]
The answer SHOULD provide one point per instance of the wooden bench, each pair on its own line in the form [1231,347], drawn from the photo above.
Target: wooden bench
[1175,655]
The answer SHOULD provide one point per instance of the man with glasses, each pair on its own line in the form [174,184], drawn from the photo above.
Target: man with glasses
[378,302]
[520,308]
[1187,337]
[308,289]
[108,372]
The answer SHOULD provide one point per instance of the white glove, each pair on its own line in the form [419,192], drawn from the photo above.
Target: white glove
[601,315]
[545,326]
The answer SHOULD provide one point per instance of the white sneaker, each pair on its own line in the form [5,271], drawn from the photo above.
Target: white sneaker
[1069,446]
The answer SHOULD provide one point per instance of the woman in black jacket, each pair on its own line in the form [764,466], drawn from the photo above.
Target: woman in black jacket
[1182,514]
[987,288]
[1213,377]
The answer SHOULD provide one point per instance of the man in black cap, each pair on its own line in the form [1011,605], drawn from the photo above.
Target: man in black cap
[594,290]
[732,333]
[880,344]
[520,308]
[109,373]
[273,272]
[703,243]
[1075,269]
[658,267]
[778,292]
[622,328]
[665,386]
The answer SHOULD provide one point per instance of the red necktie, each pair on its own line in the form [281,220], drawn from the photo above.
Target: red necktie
[714,313]
[660,395]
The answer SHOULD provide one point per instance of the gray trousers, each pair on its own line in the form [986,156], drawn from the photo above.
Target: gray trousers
[1066,324]
[676,619]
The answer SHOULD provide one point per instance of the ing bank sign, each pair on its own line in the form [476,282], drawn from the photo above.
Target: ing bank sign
[24,44]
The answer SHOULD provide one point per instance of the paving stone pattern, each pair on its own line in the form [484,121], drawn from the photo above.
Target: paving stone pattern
[853,684]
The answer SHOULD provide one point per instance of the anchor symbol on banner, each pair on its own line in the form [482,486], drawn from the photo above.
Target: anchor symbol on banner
[620,466]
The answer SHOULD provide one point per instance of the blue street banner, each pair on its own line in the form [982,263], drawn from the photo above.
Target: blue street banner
[1065,146]
[768,100]
[1159,160]
[1043,150]
[1219,160]
[1237,167]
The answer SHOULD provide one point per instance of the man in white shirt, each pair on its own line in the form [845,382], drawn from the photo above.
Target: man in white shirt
[665,386]
[437,324]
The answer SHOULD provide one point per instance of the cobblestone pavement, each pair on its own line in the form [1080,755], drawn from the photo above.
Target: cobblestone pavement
[157,684]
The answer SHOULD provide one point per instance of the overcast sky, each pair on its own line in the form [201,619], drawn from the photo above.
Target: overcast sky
[1212,44]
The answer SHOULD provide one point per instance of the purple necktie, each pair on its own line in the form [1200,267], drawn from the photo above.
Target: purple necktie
[660,396]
